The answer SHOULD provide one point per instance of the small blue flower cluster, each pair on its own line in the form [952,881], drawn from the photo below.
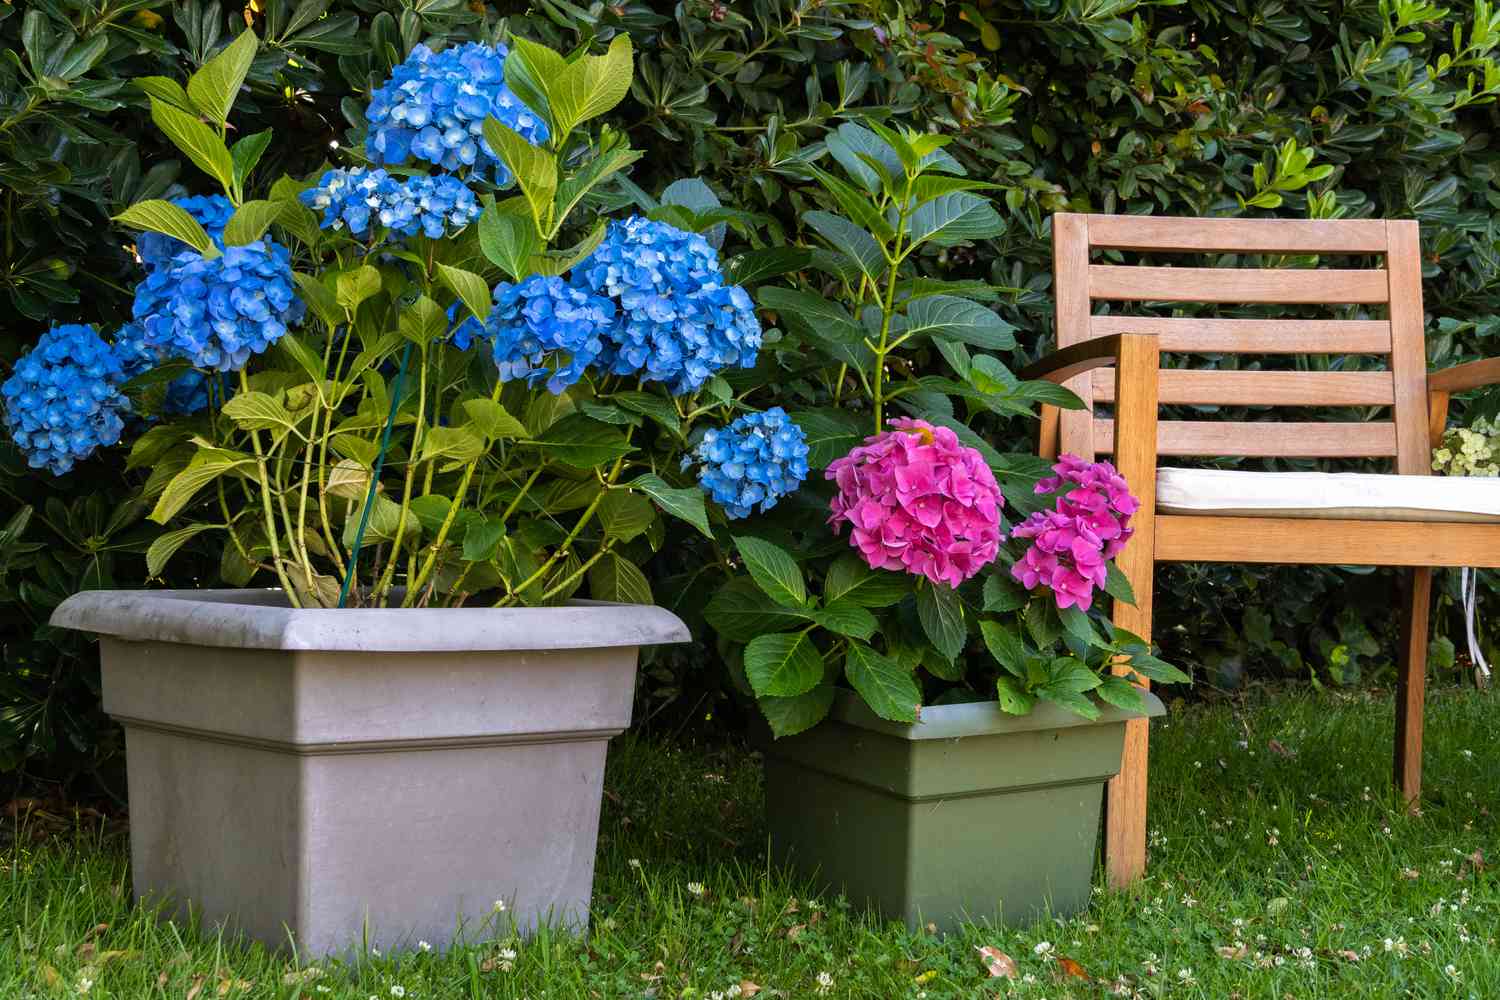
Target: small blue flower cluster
[212,211]
[187,393]
[355,198]
[64,399]
[544,328]
[680,322]
[758,459]
[434,106]
[217,313]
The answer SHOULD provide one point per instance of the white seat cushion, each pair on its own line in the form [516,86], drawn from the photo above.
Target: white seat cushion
[1359,496]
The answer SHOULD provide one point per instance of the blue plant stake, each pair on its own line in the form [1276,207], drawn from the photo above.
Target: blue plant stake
[385,442]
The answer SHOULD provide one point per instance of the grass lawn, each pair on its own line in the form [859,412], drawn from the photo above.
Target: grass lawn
[1280,867]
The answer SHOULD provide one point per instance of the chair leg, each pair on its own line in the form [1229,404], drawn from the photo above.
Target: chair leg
[1125,798]
[1411,683]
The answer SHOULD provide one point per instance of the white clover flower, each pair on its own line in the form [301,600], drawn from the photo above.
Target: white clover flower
[825,982]
[398,991]
[424,946]
[696,889]
[1042,948]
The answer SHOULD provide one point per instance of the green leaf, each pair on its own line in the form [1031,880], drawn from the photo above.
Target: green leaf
[459,445]
[848,238]
[163,217]
[783,665]
[246,153]
[493,420]
[657,408]
[165,89]
[423,321]
[509,240]
[1071,700]
[740,611]
[259,411]
[685,504]
[1120,693]
[166,545]
[1002,595]
[306,358]
[205,466]
[942,616]
[851,579]
[1117,585]
[754,266]
[1078,625]
[790,716]
[624,515]
[481,538]
[954,218]
[583,443]
[1071,674]
[217,83]
[1013,698]
[615,578]
[886,686]
[831,434]
[535,169]
[196,140]
[1041,621]
[1154,669]
[354,287]
[959,319]
[846,618]
[318,298]
[590,85]
[773,568]
[1005,646]
[470,289]
[250,221]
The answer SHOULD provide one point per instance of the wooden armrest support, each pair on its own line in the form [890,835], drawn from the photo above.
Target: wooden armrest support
[1061,365]
[1461,378]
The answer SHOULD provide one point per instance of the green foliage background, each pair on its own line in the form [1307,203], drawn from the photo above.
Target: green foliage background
[1181,108]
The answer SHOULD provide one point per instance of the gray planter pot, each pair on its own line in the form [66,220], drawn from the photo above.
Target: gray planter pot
[971,814]
[338,779]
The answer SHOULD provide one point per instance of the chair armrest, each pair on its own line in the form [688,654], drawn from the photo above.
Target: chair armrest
[1063,364]
[1461,378]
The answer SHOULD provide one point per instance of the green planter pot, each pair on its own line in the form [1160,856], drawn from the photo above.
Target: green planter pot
[969,814]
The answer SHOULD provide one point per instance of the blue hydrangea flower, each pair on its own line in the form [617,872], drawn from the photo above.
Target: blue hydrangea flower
[758,459]
[680,322]
[434,105]
[544,328]
[358,198]
[187,393]
[216,313]
[212,212]
[63,400]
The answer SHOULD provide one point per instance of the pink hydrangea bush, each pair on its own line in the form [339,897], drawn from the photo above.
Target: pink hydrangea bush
[917,500]
[1073,543]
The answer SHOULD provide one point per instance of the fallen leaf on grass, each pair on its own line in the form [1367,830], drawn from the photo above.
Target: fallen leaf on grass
[1276,747]
[999,964]
[1232,951]
[748,989]
[795,931]
[196,988]
[1071,968]
[1350,956]
[49,975]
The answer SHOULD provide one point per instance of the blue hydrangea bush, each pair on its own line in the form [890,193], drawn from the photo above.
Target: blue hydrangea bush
[437,375]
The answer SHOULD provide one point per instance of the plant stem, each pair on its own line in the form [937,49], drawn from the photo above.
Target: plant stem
[265,497]
[384,586]
[887,309]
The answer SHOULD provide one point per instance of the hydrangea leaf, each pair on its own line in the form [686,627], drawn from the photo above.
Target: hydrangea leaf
[886,686]
[158,216]
[959,319]
[615,578]
[942,616]
[754,266]
[1014,698]
[740,611]
[658,409]
[470,289]
[856,204]
[783,665]
[1005,646]
[590,85]
[251,220]
[259,411]
[423,321]
[692,193]
[246,153]
[867,157]
[196,140]
[529,71]
[612,153]
[493,420]
[954,218]
[846,618]
[509,241]
[1120,693]
[684,503]
[831,434]
[166,89]
[845,236]
[1002,594]
[851,579]
[482,538]
[1117,585]
[318,298]
[583,443]
[166,545]
[534,169]
[205,466]
[457,444]
[774,570]
[349,479]
[217,83]
[624,515]
[790,716]
[355,286]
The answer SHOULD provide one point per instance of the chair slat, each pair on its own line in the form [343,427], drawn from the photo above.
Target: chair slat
[1186,334]
[1169,235]
[1237,284]
[1264,439]
[1189,538]
[1235,388]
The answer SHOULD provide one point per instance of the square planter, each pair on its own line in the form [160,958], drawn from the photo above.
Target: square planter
[970,814]
[339,779]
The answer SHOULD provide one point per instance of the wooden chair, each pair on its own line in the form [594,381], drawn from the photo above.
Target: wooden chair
[1116,359]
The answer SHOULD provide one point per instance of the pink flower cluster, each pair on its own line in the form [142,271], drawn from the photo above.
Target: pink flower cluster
[1076,539]
[919,501]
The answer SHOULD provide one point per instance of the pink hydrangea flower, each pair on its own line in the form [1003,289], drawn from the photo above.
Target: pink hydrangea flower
[919,501]
[1073,543]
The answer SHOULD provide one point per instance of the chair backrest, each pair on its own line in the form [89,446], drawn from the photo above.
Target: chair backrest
[1397,285]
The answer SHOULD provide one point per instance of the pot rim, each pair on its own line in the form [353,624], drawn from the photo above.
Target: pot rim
[261,619]
[981,718]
